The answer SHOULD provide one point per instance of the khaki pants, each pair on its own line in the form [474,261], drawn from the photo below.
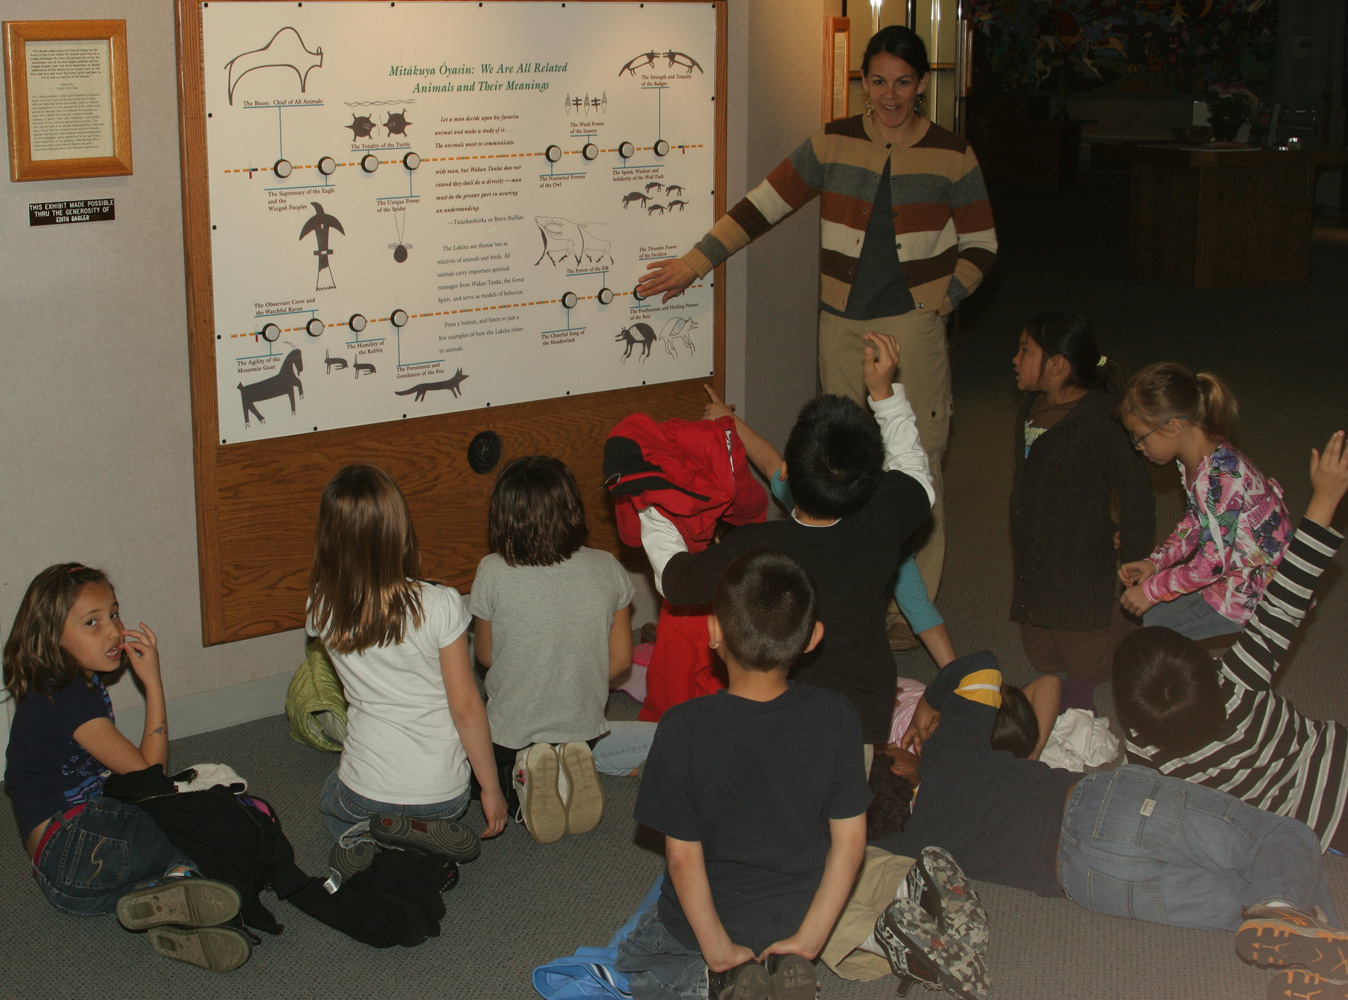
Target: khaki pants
[880,877]
[924,372]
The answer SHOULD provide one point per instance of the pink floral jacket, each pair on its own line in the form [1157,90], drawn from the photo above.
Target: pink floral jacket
[1233,564]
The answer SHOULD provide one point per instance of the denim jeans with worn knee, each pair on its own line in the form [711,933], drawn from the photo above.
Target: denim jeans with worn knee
[99,855]
[342,808]
[1190,615]
[659,965]
[1139,844]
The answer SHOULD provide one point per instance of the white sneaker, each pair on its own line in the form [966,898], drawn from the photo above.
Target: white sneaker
[581,794]
[536,776]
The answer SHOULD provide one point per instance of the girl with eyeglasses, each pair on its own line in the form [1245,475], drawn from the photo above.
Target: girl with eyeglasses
[1206,579]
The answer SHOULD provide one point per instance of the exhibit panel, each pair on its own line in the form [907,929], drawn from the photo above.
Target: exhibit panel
[432,210]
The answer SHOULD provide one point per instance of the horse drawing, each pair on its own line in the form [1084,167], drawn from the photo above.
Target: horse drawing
[645,336]
[283,383]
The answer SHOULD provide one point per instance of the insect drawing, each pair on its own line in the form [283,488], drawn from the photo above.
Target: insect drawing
[400,246]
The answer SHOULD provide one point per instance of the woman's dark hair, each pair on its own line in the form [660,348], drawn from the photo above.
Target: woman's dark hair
[900,42]
[1167,692]
[34,659]
[835,457]
[1061,331]
[536,517]
[1015,728]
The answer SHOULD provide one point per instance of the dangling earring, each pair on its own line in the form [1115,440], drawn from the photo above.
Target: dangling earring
[868,107]
[917,105]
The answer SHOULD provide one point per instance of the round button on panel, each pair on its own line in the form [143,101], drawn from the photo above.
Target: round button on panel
[369,163]
[271,333]
[589,151]
[399,318]
[357,322]
[570,300]
[327,166]
[283,168]
[412,160]
[553,153]
[314,327]
[661,147]
[626,149]
[605,296]
[637,295]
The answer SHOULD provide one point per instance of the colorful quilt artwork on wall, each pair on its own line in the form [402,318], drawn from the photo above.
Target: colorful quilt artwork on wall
[1134,47]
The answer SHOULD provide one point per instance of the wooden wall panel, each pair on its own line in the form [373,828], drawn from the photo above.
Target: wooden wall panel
[257,502]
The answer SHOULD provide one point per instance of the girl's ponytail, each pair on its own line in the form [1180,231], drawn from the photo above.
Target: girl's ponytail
[1061,331]
[1168,391]
[1219,405]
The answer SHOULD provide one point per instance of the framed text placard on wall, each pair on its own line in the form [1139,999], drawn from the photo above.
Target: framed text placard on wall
[410,223]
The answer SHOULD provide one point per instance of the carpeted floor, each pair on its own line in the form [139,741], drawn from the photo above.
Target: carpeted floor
[521,903]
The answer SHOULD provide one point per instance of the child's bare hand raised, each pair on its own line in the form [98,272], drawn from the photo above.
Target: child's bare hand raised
[1329,479]
[879,365]
[717,408]
[142,649]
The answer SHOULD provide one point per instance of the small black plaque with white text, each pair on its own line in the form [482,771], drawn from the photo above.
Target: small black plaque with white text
[52,213]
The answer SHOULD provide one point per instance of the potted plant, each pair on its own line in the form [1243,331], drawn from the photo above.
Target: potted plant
[1230,105]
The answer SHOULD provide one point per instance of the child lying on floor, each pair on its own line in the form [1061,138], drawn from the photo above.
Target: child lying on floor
[1128,842]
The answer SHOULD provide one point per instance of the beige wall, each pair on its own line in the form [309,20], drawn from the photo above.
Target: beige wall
[95,422]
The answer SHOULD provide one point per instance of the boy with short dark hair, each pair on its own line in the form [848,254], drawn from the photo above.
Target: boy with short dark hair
[861,486]
[1223,725]
[761,795]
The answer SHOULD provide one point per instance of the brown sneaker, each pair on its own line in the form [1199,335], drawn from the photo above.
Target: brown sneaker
[901,636]
[1297,984]
[1282,936]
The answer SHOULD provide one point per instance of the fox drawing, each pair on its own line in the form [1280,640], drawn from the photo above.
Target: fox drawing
[452,384]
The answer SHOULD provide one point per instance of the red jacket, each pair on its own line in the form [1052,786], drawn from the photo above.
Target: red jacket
[694,471]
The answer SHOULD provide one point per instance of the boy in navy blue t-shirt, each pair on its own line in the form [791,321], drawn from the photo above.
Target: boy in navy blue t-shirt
[761,795]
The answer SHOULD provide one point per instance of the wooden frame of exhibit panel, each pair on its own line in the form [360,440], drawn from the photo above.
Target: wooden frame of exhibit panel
[257,502]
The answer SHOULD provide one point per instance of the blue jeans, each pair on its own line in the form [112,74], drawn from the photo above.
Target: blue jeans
[342,808]
[94,859]
[660,966]
[1138,844]
[1190,615]
[623,748]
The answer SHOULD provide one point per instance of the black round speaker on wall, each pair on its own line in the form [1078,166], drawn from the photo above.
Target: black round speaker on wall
[484,451]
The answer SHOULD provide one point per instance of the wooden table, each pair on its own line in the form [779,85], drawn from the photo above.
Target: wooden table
[1220,218]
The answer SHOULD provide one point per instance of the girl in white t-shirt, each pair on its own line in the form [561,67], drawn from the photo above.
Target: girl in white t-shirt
[416,726]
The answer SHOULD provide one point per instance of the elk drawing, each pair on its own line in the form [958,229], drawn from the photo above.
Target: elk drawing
[283,383]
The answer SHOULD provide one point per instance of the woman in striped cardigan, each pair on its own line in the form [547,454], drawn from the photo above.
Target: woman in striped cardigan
[906,234]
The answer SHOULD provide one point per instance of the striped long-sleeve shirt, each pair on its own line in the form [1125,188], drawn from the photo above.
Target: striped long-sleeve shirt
[1268,753]
[943,230]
